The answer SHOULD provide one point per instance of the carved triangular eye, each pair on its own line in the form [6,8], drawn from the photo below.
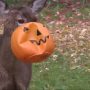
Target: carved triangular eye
[38,33]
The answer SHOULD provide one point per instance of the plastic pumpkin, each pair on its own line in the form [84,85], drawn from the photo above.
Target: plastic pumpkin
[31,42]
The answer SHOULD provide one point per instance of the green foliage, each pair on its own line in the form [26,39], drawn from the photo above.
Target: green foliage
[11,1]
[16,2]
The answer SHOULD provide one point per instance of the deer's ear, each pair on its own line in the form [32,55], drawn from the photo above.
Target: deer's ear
[3,7]
[38,5]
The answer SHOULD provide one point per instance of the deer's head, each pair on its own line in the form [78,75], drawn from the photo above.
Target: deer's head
[17,16]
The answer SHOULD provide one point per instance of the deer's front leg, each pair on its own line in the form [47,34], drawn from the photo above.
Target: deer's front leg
[6,80]
[22,75]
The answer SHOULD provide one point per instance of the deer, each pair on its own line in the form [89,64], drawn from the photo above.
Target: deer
[14,74]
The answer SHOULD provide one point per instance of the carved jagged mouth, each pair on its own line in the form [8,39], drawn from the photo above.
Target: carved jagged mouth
[40,41]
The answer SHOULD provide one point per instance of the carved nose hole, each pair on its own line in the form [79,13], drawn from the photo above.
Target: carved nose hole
[38,33]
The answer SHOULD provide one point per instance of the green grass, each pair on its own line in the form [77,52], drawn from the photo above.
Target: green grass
[69,14]
[85,12]
[58,76]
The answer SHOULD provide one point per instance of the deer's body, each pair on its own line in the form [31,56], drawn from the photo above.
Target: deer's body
[14,75]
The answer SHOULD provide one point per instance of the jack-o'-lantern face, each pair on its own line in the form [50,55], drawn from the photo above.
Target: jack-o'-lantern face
[31,42]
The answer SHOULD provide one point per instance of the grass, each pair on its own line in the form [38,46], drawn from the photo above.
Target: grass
[56,75]
[86,12]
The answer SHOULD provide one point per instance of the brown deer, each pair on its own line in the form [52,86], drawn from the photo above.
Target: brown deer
[14,74]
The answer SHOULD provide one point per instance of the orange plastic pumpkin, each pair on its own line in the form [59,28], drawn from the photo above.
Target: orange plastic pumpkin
[31,42]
